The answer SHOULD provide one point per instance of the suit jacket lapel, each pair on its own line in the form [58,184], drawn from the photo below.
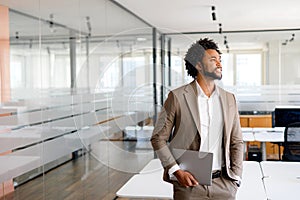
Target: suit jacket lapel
[192,102]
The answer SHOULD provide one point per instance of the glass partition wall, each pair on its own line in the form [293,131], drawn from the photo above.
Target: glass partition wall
[76,99]
[260,67]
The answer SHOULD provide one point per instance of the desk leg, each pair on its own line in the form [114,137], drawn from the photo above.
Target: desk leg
[279,152]
[264,151]
[245,150]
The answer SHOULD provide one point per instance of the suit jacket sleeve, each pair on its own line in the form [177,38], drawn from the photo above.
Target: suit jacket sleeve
[163,130]
[236,145]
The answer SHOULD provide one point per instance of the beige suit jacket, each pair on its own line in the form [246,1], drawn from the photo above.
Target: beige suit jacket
[179,123]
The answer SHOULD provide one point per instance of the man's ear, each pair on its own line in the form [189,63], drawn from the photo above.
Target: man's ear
[198,67]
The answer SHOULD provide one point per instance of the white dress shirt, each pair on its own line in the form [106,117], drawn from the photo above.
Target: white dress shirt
[212,123]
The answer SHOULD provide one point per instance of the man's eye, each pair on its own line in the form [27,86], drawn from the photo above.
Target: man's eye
[215,60]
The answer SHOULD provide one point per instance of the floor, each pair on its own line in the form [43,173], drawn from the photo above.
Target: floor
[95,175]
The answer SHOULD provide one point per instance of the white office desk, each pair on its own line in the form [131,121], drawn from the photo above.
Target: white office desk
[248,135]
[149,183]
[13,166]
[280,169]
[264,135]
[10,140]
[282,180]
[252,185]
[269,134]
[283,188]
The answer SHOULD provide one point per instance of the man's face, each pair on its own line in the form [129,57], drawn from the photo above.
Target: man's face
[211,65]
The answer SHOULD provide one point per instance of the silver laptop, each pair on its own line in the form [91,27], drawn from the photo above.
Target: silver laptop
[197,163]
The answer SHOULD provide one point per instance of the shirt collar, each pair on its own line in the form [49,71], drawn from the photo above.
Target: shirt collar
[201,93]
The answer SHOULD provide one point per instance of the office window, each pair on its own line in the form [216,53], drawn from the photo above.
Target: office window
[60,71]
[17,72]
[228,69]
[242,69]
[248,69]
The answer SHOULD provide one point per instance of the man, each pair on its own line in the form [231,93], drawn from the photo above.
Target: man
[201,116]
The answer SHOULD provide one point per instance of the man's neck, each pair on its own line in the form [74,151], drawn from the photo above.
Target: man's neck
[207,86]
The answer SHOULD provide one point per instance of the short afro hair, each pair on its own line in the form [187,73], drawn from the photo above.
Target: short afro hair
[195,54]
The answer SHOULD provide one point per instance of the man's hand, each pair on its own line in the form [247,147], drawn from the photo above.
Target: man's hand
[185,178]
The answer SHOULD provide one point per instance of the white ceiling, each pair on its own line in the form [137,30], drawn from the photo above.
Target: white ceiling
[170,16]
[195,15]
[175,16]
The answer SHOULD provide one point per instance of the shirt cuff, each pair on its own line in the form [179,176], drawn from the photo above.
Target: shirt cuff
[173,169]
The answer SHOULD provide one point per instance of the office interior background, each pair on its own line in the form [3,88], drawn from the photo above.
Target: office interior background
[82,83]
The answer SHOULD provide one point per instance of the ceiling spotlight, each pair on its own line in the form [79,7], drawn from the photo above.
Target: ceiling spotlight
[227,47]
[220,28]
[51,23]
[213,14]
[292,38]
[17,35]
[289,40]
[225,40]
[88,23]
[285,43]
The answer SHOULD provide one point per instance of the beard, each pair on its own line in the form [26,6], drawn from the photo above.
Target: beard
[212,75]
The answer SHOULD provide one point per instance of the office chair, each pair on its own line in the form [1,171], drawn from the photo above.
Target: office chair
[291,142]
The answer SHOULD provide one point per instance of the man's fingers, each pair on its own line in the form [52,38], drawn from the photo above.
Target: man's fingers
[189,181]
[193,181]
[185,178]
